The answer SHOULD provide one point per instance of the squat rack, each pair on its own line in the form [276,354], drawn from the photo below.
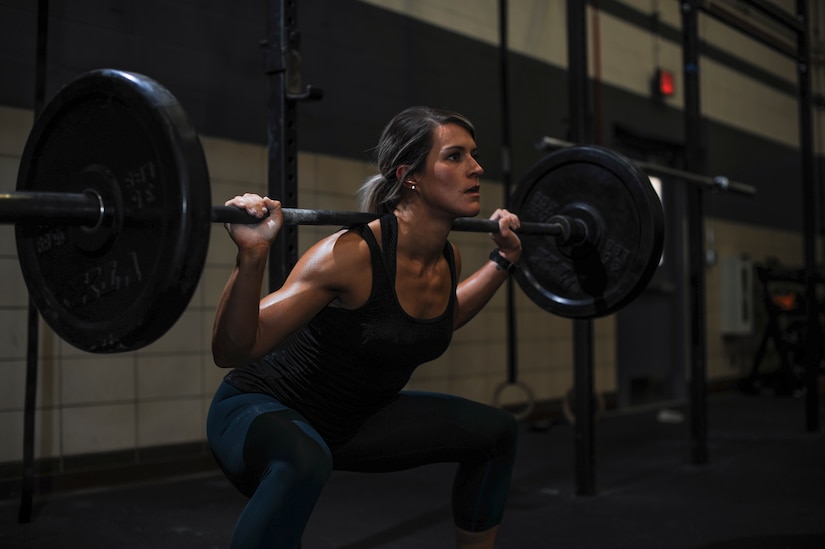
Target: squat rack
[799,25]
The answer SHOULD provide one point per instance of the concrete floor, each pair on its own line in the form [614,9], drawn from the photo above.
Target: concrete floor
[763,488]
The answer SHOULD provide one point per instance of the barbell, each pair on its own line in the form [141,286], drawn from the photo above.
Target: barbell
[112,217]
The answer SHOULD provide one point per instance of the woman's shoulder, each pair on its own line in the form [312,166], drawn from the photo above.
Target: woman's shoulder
[342,251]
[340,263]
[344,240]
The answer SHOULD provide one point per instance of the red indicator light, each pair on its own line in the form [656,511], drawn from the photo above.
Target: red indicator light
[665,81]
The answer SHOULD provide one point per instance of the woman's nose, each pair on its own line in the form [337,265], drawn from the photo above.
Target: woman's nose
[476,168]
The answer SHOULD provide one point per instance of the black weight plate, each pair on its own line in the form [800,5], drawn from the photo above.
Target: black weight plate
[121,285]
[625,219]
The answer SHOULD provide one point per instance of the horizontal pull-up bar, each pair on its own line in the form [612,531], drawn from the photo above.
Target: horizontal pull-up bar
[718,182]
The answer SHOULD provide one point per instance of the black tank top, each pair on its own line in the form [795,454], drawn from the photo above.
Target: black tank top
[346,364]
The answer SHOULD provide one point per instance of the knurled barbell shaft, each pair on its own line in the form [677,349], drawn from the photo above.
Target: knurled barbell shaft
[296,216]
[87,209]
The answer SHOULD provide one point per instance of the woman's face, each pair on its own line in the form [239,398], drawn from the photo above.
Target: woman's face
[450,180]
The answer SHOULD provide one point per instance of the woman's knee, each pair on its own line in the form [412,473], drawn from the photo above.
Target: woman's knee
[503,430]
[314,464]
[275,447]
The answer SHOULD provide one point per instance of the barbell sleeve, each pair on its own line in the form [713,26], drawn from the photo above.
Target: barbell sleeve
[50,207]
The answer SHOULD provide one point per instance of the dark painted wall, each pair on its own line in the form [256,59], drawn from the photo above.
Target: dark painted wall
[370,64]
[208,57]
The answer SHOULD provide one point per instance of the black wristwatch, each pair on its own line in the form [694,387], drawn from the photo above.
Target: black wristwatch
[502,263]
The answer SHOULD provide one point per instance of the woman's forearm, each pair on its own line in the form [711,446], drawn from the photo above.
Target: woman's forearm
[477,290]
[236,326]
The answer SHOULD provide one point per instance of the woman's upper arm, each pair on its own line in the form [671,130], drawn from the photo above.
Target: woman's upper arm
[325,273]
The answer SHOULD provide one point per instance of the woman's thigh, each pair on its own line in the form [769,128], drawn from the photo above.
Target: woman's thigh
[420,428]
[247,431]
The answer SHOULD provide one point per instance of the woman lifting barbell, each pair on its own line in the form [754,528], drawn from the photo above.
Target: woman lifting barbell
[320,364]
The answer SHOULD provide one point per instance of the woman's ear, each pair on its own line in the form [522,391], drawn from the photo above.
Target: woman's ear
[401,172]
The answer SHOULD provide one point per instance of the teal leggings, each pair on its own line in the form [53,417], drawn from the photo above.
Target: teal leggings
[274,457]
